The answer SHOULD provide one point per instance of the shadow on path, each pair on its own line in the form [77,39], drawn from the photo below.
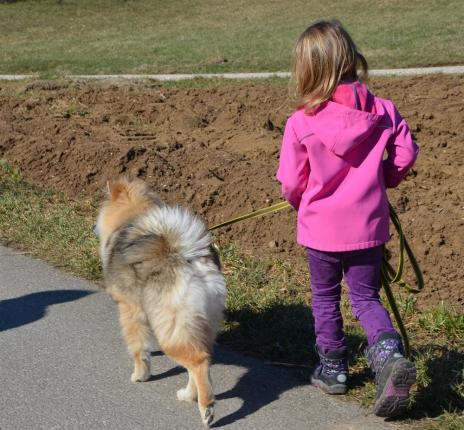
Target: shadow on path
[282,333]
[32,307]
[177,370]
[257,387]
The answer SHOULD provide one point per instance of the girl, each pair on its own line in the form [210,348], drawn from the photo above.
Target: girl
[333,172]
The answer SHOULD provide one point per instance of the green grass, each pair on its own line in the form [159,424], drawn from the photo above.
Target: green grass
[268,305]
[53,37]
[48,224]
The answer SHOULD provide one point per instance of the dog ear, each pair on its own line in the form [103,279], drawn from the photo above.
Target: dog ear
[116,189]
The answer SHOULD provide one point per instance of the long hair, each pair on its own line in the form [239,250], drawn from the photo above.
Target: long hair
[323,56]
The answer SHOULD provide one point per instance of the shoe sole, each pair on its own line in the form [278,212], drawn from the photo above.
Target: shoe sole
[329,389]
[394,400]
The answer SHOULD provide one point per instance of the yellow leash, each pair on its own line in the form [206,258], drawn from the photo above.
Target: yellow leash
[273,208]
[388,274]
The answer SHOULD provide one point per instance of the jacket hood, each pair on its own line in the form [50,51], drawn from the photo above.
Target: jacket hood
[348,119]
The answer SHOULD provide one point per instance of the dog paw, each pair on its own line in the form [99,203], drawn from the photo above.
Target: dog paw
[207,415]
[184,396]
[140,375]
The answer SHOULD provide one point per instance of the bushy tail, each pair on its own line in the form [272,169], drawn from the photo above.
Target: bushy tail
[165,238]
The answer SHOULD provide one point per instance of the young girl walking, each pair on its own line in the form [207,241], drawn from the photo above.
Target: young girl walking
[334,173]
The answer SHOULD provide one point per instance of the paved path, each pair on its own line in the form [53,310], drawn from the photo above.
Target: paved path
[417,71]
[63,365]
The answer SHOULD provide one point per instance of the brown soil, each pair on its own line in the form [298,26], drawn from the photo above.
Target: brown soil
[216,150]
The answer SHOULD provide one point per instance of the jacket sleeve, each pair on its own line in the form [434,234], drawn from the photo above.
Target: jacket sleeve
[293,172]
[402,152]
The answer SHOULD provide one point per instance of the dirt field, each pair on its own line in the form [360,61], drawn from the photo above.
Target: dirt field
[216,150]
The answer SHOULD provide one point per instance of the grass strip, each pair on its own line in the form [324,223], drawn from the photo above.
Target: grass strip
[58,37]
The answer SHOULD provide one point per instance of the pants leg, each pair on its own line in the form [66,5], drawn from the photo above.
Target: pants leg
[362,274]
[326,274]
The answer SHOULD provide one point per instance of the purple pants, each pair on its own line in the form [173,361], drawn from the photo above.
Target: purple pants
[362,274]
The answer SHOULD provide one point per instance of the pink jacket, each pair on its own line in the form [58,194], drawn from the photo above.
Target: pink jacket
[332,168]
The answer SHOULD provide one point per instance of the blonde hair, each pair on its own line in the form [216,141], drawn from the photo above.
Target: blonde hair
[323,56]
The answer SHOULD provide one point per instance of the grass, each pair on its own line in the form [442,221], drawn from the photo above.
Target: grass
[48,224]
[57,37]
[268,305]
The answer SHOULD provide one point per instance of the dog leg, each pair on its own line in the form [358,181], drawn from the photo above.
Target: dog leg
[141,371]
[205,392]
[196,361]
[189,393]
[137,333]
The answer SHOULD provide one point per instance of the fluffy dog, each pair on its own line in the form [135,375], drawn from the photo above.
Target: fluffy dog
[161,268]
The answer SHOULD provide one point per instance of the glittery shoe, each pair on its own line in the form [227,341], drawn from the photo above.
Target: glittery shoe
[331,374]
[394,375]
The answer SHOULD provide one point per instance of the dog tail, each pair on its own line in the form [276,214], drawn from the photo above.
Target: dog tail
[163,239]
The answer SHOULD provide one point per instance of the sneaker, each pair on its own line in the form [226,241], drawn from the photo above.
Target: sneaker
[394,375]
[331,374]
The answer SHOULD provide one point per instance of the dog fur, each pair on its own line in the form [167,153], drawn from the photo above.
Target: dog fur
[161,268]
